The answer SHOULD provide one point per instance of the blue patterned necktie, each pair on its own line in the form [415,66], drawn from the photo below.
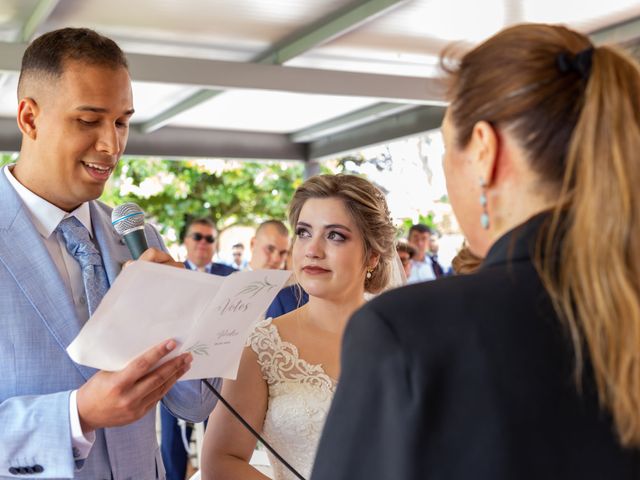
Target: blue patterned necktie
[79,245]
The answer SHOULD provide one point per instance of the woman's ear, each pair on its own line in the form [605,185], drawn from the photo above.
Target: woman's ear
[28,110]
[485,143]
[373,260]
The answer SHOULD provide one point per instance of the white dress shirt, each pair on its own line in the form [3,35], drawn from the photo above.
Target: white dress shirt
[421,271]
[46,217]
[192,266]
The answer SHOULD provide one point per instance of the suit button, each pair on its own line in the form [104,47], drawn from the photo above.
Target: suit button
[38,469]
[22,470]
[13,471]
[29,469]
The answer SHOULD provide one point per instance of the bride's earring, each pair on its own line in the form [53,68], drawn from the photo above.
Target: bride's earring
[369,272]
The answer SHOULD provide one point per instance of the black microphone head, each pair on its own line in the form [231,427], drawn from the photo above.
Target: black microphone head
[127,217]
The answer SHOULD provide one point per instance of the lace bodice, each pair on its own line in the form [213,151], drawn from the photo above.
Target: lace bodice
[299,398]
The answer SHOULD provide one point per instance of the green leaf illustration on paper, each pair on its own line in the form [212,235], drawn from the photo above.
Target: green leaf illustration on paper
[199,349]
[254,288]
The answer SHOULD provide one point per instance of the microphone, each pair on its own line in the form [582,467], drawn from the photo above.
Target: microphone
[128,220]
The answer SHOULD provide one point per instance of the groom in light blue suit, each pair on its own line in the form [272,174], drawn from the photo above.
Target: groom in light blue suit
[59,419]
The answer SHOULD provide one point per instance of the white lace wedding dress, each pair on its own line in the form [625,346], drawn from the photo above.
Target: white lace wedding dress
[299,398]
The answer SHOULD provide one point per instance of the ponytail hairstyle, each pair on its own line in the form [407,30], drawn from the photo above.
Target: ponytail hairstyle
[575,110]
[368,209]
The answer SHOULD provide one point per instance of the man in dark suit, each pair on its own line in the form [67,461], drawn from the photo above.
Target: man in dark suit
[200,241]
[434,247]
[287,300]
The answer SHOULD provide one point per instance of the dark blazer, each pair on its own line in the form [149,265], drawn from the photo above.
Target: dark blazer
[216,269]
[467,377]
[287,300]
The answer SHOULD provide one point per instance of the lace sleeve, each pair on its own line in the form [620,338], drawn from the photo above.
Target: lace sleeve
[279,361]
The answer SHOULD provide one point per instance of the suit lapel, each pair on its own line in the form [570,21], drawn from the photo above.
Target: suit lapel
[23,253]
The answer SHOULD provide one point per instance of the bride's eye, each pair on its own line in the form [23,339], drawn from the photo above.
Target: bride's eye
[302,233]
[333,235]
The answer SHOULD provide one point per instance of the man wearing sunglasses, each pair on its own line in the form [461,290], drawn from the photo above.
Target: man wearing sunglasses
[200,241]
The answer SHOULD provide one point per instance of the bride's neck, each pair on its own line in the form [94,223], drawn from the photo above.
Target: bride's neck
[332,315]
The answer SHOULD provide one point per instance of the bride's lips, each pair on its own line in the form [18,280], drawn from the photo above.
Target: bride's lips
[314,270]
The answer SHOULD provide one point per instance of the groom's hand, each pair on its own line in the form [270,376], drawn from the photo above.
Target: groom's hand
[111,399]
[157,256]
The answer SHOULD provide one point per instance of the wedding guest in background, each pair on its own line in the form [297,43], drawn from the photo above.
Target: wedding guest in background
[434,249]
[269,246]
[292,296]
[528,368]
[343,247]
[288,299]
[238,261]
[406,252]
[200,242]
[422,267]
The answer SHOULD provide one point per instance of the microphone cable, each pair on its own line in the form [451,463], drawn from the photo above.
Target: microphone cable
[251,429]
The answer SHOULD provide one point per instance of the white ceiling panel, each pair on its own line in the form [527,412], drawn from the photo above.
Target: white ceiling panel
[218,29]
[13,15]
[388,63]
[261,111]
[417,32]
[8,95]
[150,98]
[583,15]
[399,37]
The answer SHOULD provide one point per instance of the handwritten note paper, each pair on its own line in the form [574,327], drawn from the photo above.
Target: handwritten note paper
[207,315]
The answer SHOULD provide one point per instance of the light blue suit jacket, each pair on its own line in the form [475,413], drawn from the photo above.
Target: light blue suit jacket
[37,323]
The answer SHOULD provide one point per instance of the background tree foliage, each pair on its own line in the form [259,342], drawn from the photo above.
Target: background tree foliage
[7,158]
[228,192]
[172,192]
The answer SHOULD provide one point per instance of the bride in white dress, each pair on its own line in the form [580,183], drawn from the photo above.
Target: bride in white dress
[343,247]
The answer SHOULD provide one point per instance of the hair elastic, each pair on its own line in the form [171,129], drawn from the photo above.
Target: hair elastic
[579,63]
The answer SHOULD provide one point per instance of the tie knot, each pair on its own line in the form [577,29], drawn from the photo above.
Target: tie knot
[79,244]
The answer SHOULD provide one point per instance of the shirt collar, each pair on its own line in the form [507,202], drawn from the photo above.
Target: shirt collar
[191,266]
[46,216]
[422,262]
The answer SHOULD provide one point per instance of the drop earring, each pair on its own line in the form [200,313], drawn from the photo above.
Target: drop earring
[484,217]
[369,272]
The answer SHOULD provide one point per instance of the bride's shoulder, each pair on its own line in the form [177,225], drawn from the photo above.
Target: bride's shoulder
[291,326]
[261,328]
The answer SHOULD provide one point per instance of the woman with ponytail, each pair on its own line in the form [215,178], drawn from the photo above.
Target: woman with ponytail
[528,368]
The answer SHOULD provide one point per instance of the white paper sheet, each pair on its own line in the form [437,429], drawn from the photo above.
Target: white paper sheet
[208,315]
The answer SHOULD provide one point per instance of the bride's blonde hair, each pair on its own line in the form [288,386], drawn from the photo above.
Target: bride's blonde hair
[368,208]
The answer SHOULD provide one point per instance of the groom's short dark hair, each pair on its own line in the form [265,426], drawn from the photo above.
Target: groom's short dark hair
[44,58]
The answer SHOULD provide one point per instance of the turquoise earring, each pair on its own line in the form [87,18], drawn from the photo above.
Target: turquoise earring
[484,218]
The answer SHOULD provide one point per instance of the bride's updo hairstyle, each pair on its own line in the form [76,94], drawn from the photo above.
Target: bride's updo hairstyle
[574,108]
[368,208]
